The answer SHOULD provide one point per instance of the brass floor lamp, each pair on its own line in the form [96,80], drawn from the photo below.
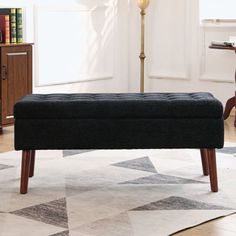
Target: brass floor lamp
[143,4]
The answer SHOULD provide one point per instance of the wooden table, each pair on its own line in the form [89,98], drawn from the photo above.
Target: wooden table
[231,103]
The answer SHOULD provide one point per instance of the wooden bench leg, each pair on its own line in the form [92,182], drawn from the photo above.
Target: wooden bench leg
[205,164]
[25,170]
[32,163]
[212,169]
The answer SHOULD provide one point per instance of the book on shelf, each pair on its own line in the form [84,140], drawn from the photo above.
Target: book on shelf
[19,25]
[15,21]
[5,28]
[13,25]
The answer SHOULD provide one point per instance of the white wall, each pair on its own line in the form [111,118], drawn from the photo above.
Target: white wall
[85,51]
[178,57]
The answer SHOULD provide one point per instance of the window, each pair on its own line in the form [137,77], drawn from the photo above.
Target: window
[218,9]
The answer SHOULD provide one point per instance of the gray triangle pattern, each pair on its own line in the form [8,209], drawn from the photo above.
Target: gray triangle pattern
[178,203]
[2,167]
[54,213]
[162,179]
[118,225]
[227,150]
[64,233]
[67,153]
[142,163]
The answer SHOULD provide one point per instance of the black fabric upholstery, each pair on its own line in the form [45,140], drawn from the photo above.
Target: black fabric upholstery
[174,127]
[118,134]
[126,105]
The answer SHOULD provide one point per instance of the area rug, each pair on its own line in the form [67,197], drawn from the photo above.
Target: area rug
[114,193]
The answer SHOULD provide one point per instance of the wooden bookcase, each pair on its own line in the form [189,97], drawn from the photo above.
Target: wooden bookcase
[16,78]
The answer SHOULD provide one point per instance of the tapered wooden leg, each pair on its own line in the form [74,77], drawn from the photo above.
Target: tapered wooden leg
[205,166]
[212,169]
[32,163]
[25,169]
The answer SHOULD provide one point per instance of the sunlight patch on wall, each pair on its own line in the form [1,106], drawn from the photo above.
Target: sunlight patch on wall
[74,42]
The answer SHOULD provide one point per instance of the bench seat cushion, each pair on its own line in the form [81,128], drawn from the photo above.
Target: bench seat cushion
[149,105]
[118,121]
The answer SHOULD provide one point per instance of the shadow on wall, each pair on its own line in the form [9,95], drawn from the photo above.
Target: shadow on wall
[101,20]
[91,25]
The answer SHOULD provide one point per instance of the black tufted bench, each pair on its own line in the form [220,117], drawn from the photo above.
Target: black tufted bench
[119,121]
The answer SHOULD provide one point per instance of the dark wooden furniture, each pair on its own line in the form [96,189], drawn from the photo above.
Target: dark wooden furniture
[16,78]
[119,121]
[231,103]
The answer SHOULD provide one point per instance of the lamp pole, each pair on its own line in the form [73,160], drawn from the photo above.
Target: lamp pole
[143,4]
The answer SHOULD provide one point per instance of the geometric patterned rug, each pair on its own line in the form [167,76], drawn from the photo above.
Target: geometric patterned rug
[114,192]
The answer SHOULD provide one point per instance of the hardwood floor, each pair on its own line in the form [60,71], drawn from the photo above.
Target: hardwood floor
[222,227]
[7,139]
[230,130]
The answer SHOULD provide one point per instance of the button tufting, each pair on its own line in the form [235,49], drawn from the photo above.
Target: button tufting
[119,105]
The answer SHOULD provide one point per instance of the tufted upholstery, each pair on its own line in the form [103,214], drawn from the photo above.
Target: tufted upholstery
[118,121]
[148,105]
